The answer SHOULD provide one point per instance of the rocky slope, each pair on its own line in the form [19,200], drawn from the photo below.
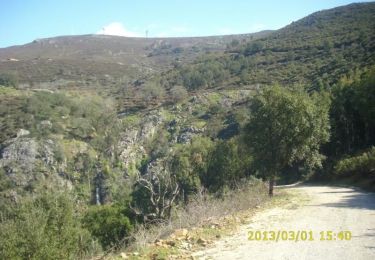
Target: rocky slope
[72,136]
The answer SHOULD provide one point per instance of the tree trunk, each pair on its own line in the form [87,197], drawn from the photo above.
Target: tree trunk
[271,184]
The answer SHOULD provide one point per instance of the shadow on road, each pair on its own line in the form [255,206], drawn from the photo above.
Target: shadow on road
[353,199]
[350,198]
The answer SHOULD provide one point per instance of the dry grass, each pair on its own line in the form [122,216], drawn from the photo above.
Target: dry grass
[202,209]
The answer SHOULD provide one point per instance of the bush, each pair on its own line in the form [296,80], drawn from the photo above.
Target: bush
[44,227]
[252,48]
[152,91]
[7,80]
[178,93]
[108,224]
[363,164]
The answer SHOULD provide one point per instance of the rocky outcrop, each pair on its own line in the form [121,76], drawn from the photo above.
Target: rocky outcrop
[149,126]
[156,167]
[26,160]
[187,134]
[130,148]
[20,153]
[131,145]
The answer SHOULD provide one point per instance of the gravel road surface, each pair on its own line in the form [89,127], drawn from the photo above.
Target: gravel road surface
[327,209]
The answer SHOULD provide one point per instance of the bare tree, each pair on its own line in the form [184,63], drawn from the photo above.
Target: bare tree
[162,190]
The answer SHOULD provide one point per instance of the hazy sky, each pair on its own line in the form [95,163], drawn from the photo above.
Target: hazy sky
[22,21]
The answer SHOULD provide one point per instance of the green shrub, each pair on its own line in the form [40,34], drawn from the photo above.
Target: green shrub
[228,164]
[363,164]
[44,227]
[190,162]
[8,80]
[108,224]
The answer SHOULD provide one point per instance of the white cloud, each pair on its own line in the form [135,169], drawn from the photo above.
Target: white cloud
[118,29]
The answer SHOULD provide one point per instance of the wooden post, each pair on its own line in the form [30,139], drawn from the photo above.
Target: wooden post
[271,184]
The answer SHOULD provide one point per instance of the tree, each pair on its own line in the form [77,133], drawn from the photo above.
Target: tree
[253,48]
[286,126]
[154,195]
[352,114]
[226,167]
[189,165]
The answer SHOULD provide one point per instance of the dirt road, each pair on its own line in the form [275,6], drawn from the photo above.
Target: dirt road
[327,209]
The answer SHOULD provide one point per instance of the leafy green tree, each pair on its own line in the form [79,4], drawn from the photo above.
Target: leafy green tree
[286,126]
[253,48]
[190,163]
[183,167]
[352,114]
[228,164]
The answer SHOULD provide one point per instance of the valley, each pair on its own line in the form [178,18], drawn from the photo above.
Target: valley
[105,137]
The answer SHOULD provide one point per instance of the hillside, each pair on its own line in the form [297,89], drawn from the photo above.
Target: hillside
[110,134]
[316,50]
[92,60]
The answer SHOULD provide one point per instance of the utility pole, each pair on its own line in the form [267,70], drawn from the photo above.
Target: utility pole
[146,33]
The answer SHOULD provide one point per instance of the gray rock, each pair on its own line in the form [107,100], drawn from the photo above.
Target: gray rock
[19,159]
[47,152]
[227,103]
[22,132]
[155,167]
[46,124]
[149,125]
[21,152]
[131,145]
[27,161]
[188,133]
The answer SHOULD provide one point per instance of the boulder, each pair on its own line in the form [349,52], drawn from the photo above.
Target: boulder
[180,233]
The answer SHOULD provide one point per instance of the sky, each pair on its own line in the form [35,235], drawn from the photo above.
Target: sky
[22,21]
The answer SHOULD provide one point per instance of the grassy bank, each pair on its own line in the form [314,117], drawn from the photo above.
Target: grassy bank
[205,219]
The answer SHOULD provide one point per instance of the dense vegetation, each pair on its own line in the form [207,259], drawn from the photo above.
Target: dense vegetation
[350,151]
[46,226]
[316,50]
[285,128]
[77,176]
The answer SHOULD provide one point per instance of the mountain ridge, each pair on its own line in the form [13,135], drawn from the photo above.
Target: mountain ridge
[113,55]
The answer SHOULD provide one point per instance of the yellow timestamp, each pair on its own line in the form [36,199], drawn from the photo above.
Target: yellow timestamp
[299,235]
